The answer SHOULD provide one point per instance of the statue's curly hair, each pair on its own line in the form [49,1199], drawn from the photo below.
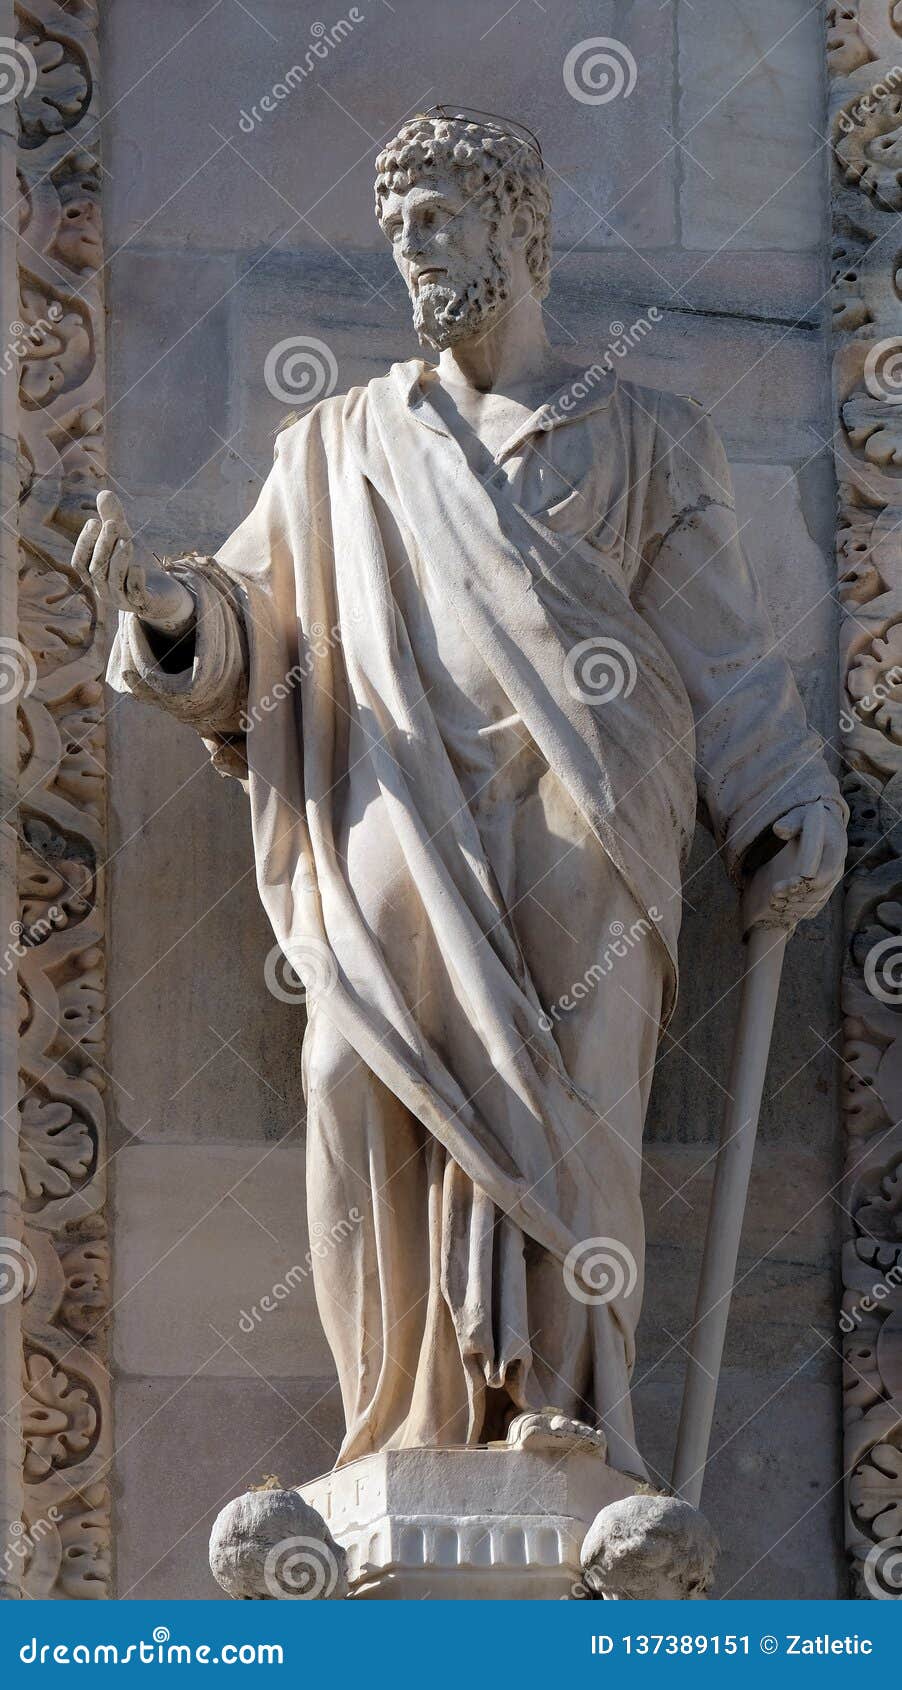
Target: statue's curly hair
[501,170]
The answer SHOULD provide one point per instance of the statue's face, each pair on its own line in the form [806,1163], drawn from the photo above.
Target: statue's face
[458,267]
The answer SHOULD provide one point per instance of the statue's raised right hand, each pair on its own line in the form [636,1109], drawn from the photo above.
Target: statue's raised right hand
[106,554]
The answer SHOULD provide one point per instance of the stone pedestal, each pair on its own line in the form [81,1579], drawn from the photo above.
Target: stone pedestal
[494,1524]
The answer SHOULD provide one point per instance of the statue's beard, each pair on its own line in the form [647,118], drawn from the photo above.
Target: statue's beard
[444,315]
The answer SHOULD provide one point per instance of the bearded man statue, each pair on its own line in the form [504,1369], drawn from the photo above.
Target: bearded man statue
[485,637]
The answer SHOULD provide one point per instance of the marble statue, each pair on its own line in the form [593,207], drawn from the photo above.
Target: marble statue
[486,636]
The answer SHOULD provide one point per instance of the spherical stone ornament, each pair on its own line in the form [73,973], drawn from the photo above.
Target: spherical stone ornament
[270,1545]
[649,1548]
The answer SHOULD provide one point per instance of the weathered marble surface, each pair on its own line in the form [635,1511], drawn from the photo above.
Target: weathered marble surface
[272,1545]
[651,1549]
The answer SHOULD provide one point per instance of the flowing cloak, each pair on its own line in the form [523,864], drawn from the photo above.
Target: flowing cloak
[624,547]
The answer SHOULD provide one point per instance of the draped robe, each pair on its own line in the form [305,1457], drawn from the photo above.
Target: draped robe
[453,836]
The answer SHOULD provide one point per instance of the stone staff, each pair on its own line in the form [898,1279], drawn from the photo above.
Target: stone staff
[766,930]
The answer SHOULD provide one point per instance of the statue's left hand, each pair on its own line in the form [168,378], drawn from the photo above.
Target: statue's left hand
[819,861]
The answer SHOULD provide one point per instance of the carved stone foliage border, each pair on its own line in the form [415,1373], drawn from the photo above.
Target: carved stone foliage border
[61,825]
[65,1406]
[865,67]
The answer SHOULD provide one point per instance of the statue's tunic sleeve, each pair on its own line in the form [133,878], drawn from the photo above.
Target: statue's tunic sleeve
[200,678]
[756,755]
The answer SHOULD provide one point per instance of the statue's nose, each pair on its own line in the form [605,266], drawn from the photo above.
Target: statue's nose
[416,241]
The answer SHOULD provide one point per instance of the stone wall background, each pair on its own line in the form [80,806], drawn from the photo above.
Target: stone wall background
[703,193]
